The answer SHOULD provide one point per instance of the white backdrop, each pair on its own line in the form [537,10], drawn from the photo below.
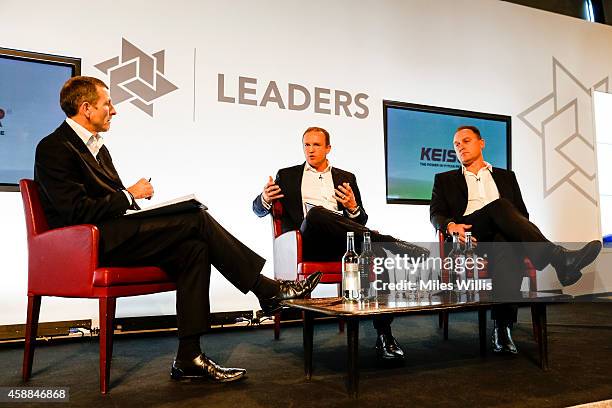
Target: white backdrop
[480,55]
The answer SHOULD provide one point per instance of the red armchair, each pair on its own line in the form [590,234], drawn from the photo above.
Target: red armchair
[64,262]
[289,264]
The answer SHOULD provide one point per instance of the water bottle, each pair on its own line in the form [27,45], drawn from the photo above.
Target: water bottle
[470,256]
[457,257]
[350,270]
[471,262]
[366,269]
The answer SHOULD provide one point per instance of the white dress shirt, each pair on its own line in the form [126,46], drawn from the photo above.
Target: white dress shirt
[94,143]
[317,189]
[481,188]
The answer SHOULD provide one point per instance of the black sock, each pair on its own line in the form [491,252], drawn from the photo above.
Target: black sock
[265,288]
[189,348]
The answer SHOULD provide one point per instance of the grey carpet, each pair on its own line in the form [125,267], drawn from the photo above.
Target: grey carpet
[436,373]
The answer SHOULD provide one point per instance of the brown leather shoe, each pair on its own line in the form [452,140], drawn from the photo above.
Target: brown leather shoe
[204,368]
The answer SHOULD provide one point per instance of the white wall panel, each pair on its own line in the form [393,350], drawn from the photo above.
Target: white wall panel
[477,55]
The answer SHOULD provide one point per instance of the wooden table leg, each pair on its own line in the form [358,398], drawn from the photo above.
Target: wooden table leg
[542,335]
[308,334]
[535,324]
[445,324]
[353,355]
[482,330]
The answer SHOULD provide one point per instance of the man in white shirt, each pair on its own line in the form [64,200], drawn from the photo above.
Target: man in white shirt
[487,201]
[324,203]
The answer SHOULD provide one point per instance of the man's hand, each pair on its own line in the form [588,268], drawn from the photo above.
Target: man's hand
[142,189]
[460,228]
[345,196]
[271,191]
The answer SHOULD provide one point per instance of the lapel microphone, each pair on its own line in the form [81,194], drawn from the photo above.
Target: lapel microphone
[320,177]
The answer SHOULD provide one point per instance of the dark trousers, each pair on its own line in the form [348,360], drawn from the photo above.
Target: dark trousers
[324,240]
[324,235]
[507,236]
[185,245]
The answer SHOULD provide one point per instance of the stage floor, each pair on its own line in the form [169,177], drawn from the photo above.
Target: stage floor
[436,372]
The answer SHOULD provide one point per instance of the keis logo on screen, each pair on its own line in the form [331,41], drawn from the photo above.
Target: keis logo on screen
[137,77]
[438,157]
[432,154]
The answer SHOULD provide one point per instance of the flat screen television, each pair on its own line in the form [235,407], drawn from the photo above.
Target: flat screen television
[419,144]
[30,83]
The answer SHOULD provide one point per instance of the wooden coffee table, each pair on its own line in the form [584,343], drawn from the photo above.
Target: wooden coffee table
[446,301]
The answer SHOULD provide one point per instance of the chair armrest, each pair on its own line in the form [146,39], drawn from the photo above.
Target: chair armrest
[62,261]
[287,254]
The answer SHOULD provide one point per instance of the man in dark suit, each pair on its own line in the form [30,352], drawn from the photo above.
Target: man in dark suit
[487,201]
[331,200]
[79,185]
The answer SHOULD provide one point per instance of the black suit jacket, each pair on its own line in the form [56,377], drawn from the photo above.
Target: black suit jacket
[290,181]
[76,189]
[450,194]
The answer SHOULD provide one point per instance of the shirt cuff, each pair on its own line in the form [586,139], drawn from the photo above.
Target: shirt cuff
[128,196]
[265,204]
[355,214]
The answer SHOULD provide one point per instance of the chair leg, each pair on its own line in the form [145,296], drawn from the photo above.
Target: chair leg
[107,317]
[277,322]
[533,283]
[30,335]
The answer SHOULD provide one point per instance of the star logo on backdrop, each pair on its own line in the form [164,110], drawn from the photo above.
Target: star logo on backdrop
[137,77]
[563,120]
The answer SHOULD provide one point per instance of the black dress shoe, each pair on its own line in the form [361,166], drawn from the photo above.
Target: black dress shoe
[501,339]
[204,368]
[568,263]
[407,248]
[290,290]
[387,348]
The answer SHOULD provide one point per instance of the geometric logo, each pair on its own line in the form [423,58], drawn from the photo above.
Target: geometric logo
[137,77]
[563,121]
